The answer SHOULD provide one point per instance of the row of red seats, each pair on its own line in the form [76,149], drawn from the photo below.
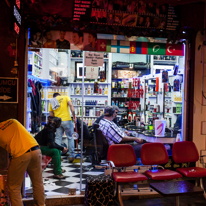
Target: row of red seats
[123,155]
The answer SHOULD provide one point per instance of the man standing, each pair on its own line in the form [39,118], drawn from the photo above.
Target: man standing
[77,38]
[62,111]
[114,134]
[62,43]
[26,156]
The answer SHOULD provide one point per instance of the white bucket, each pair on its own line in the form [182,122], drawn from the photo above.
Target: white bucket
[160,126]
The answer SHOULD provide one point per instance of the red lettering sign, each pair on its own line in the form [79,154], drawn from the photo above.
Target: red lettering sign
[18,3]
[16,28]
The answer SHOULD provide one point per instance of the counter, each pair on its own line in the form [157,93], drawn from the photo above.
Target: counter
[150,136]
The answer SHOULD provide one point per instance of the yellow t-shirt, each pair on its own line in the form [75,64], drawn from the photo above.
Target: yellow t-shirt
[14,138]
[63,110]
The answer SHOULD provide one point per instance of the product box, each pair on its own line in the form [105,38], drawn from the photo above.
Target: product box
[123,74]
[178,105]
[178,109]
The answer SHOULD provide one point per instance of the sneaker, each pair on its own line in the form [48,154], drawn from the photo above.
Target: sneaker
[61,176]
[63,171]
[71,159]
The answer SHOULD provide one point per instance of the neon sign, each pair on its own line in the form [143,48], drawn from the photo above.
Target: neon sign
[18,3]
[16,23]
[17,15]
[16,28]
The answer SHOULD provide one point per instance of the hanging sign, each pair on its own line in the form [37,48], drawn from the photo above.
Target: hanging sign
[92,72]
[8,90]
[94,59]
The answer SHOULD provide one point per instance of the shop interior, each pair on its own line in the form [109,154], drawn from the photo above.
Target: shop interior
[146,88]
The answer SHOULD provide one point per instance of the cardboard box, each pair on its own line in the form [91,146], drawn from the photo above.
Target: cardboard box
[120,74]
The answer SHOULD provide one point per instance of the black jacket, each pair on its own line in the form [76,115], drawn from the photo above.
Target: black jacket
[46,137]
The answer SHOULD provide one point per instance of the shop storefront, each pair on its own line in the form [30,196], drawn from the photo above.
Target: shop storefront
[144,79]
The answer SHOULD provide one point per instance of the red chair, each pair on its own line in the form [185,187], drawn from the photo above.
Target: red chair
[156,154]
[123,156]
[186,152]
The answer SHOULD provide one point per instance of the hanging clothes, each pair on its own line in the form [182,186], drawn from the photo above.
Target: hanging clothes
[34,127]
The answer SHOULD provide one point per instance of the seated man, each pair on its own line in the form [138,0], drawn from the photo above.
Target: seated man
[115,118]
[46,139]
[114,134]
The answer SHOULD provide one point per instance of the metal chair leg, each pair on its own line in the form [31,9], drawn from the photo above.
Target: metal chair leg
[201,185]
[119,195]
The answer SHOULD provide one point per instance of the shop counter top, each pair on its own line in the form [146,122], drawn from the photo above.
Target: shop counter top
[150,137]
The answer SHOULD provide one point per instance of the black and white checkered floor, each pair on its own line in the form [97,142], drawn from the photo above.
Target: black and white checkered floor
[55,187]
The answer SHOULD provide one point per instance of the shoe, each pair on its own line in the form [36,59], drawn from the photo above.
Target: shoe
[63,171]
[71,159]
[62,159]
[61,176]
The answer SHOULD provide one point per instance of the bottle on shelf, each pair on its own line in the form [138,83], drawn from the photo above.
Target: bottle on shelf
[86,92]
[100,90]
[80,91]
[90,122]
[134,116]
[75,91]
[89,90]
[130,117]
[103,91]
[92,90]
[106,90]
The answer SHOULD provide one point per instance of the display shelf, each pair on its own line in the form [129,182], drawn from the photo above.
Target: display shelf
[52,80]
[89,116]
[38,55]
[177,102]
[89,95]
[45,112]
[89,105]
[29,110]
[136,98]
[120,88]
[177,113]
[37,66]
[89,83]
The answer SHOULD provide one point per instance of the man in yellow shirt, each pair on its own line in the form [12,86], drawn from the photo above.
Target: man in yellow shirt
[26,156]
[66,125]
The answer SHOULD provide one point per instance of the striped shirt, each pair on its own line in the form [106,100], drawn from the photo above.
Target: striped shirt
[111,131]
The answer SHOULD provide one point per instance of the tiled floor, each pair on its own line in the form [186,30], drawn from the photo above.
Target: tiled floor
[55,187]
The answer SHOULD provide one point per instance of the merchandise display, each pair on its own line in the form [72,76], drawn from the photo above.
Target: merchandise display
[143,93]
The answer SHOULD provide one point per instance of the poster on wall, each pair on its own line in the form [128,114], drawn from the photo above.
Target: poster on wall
[129,13]
[89,42]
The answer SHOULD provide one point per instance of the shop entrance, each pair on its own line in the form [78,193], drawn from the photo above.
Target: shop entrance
[147,89]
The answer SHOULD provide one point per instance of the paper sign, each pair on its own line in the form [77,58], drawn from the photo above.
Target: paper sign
[92,72]
[94,59]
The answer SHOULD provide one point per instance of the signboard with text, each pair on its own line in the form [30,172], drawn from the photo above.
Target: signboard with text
[94,59]
[8,90]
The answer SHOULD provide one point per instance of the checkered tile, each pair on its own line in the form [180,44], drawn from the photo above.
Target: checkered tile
[55,187]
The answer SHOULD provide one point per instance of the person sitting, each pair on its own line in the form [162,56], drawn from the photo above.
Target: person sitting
[115,134]
[46,139]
